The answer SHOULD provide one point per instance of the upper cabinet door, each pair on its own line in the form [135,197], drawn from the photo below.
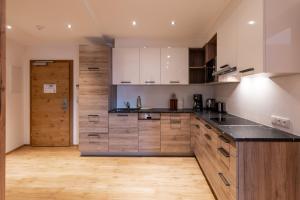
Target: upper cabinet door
[150,66]
[126,66]
[282,35]
[250,51]
[227,41]
[174,66]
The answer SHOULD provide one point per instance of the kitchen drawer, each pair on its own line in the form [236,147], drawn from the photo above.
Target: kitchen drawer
[123,120]
[173,144]
[93,122]
[93,66]
[123,140]
[169,116]
[93,142]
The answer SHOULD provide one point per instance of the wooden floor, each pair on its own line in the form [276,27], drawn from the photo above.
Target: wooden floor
[61,174]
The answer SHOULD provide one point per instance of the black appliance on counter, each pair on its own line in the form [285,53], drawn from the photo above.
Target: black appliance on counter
[198,102]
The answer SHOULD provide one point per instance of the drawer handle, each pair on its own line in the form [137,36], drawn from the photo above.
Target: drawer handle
[122,115]
[207,136]
[174,121]
[93,68]
[93,135]
[224,152]
[174,82]
[93,142]
[226,183]
[247,70]
[197,126]
[93,115]
[224,139]
[149,82]
[125,82]
[207,126]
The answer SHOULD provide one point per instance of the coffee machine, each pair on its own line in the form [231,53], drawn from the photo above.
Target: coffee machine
[198,102]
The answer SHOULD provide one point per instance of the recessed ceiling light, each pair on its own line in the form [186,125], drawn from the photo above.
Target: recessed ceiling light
[134,23]
[9,27]
[173,23]
[69,26]
[252,22]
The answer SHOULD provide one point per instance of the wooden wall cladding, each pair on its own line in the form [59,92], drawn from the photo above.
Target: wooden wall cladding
[2,105]
[94,67]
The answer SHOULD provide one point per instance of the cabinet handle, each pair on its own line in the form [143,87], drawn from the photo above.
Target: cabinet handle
[224,152]
[93,68]
[93,135]
[174,82]
[93,118]
[198,118]
[224,139]
[197,126]
[122,115]
[247,70]
[207,126]
[93,115]
[125,82]
[149,82]
[207,136]
[174,121]
[93,142]
[224,179]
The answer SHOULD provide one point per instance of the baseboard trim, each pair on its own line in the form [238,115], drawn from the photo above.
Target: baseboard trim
[15,149]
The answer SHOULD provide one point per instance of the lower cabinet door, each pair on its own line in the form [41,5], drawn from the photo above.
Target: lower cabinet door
[93,142]
[149,136]
[123,140]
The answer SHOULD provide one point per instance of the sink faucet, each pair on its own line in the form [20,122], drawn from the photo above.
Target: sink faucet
[127,104]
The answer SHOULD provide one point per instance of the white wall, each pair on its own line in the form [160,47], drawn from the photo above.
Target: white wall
[257,98]
[14,95]
[158,96]
[56,52]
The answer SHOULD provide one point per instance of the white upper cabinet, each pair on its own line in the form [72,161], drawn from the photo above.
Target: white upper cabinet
[126,66]
[250,50]
[174,66]
[150,66]
[227,42]
[282,35]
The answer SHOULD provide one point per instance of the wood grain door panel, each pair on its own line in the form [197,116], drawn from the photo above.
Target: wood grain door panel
[51,112]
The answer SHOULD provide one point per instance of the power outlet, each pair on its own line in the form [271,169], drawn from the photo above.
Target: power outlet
[281,122]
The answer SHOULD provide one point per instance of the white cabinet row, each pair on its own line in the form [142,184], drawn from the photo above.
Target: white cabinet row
[150,66]
[260,36]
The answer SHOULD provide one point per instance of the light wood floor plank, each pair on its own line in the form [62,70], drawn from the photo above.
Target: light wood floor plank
[61,174]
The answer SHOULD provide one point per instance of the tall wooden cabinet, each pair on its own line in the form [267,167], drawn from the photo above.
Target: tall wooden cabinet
[94,70]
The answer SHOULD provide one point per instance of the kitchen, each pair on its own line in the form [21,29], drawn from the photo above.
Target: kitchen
[150,101]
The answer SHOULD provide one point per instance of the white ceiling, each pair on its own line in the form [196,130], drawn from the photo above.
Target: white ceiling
[95,18]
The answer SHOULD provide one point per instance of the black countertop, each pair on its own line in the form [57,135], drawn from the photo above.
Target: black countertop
[153,110]
[243,130]
[251,132]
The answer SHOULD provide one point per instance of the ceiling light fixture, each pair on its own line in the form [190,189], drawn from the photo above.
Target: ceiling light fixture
[173,23]
[9,27]
[69,26]
[252,22]
[134,23]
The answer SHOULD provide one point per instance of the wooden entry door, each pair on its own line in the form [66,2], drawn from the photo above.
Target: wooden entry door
[51,105]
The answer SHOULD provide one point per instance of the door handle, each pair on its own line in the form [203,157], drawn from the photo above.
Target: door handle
[65,104]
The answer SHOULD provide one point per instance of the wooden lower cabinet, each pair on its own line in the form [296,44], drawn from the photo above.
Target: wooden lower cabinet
[149,136]
[123,132]
[247,170]
[175,133]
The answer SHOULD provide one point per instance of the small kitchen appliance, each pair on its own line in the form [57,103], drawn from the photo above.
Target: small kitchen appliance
[211,104]
[173,102]
[198,102]
[221,107]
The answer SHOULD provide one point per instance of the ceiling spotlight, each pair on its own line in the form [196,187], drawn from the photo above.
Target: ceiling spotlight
[133,23]
[252,22]
[9,27]
[69,26]
[173,23]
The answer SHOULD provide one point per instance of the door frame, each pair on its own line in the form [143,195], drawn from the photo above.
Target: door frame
[3,95]
[71,92]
